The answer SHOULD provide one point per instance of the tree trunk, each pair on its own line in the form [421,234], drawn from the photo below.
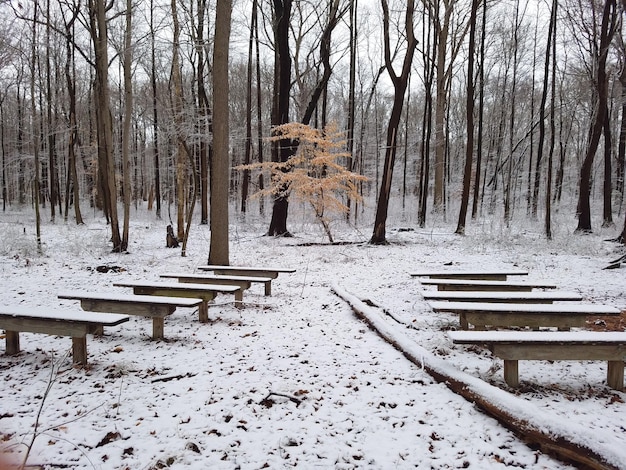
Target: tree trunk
[601,115]
[245,183]
[469,148]
[155,115]
[551,49]
[281,149]
[400,85]
[218,252]
[126,126]
[104,123]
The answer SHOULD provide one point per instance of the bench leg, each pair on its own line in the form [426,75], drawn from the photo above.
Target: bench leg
[463,321]
[511,373]
[203,311]
[615,375]
[79,350]
[12,342]
[239,298]
[157,327]
[268,288]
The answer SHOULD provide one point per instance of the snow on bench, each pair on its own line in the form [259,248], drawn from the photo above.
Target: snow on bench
[16,319]
[482,285]
[513,346]
[244,282]
[154,307]
[518,297]
[272,272]
[494,275]
[205,292]
[562,316]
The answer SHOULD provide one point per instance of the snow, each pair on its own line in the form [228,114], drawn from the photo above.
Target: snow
[58,314]
[590,309]
[295,379]
[540,337]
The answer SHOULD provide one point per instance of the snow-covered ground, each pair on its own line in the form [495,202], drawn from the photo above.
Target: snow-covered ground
[295,379]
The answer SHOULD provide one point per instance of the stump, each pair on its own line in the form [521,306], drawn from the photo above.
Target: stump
[171,240]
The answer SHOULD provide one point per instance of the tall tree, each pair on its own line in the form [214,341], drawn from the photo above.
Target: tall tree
[104,122]
[127,59]
[469,147]
[399,85]
[281,149]
[601,115]
[218,252]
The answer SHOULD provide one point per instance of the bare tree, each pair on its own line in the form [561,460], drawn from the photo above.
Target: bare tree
[218,252]
[600,118]
[399,85]
[469,147]
[99,35]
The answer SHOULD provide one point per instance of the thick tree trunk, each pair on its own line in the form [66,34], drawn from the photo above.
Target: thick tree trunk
[218,251]
[281,149]
[400,85]
[601,115]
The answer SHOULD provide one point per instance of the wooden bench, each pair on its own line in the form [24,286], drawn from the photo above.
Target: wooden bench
[513,346]
[493,275]
[481,285]
[516,297]
[156,308]
[205,292]
[246,270]
[244,282]
[562,316]
[16,319]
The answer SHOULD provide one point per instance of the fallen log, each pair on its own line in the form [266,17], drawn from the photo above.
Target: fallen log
[533,426]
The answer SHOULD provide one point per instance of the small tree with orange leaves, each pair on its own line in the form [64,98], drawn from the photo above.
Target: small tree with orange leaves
[313,174]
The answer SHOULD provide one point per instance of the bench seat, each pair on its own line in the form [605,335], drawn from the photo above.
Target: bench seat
[517,297]
[494,275]
[16,319]
[513,346]
[272,272]
[484,285]
[244,282]
[151,306]
[482,314]
[205,292]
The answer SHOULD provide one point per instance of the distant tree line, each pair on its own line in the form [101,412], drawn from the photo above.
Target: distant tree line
[508,109]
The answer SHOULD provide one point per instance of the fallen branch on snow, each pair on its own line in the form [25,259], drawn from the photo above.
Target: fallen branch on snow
[534,426]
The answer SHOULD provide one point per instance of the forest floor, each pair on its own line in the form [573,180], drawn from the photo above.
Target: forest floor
[295,379]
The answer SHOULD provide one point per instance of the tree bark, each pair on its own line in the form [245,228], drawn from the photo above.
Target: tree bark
[281,149]
[399,85]
[607,30]
[469,147]
[218,252]
[104,123]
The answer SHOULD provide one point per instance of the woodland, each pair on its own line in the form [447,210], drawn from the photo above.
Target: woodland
[446,109]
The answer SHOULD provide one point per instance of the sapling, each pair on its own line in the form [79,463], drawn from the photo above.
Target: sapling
[314,173]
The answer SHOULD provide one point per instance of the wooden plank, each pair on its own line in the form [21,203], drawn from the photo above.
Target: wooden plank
[15,319]
[555,309]
[205,292]
[518,297]
[480,320]
[247,270]
[243,282]
[494,275]
[484,285]
[150,306]
[543,337]
[7,312]
[513,346]
[130,298]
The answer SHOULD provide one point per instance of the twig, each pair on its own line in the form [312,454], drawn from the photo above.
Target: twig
[268,402]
